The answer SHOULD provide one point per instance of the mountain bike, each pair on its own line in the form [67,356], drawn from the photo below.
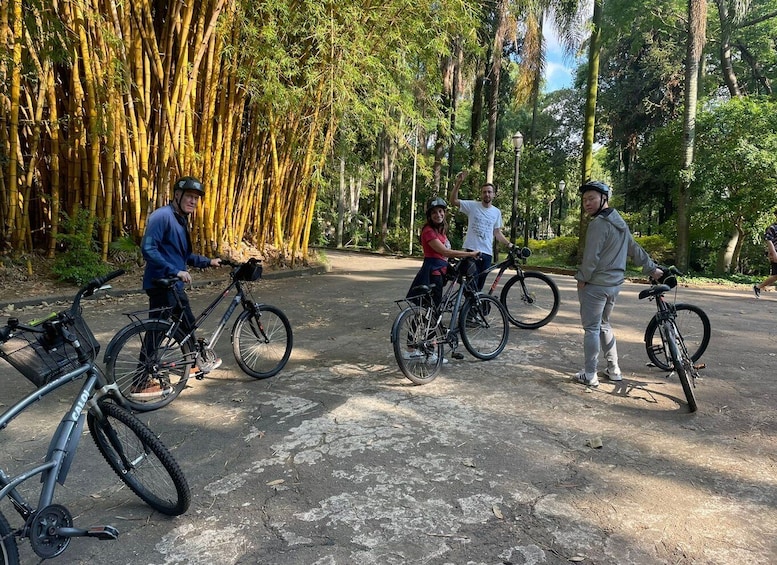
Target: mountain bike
[530,298]
[422,328]
[52,353]
[674,352]
[155,348]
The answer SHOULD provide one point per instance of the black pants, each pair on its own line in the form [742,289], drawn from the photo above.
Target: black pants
[164,305]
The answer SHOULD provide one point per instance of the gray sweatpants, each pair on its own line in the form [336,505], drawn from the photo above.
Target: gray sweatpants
[596,304]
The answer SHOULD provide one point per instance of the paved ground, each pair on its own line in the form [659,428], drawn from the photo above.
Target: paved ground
[337,461]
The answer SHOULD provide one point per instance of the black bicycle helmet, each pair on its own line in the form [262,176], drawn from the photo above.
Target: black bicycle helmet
[436,202]
[596,185]
[190,184]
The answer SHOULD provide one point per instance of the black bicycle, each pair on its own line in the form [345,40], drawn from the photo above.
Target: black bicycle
[52,353]
[530,298]
[423,328]
[691,322]
[154,348]
[676,352]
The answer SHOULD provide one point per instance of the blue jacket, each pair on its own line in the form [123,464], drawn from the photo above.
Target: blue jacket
[167,247]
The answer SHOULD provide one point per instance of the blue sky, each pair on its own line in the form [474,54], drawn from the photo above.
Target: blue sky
[559,70]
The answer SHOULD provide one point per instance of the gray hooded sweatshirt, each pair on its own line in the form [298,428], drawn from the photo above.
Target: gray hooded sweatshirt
[608,242]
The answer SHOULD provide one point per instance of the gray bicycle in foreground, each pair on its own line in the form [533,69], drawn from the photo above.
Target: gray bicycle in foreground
[422,329]
[52,353]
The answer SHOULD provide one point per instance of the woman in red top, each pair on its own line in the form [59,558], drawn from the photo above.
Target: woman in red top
[437,250]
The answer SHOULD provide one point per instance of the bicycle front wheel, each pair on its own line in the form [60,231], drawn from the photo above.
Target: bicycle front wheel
[140,459]
[150,366]
[9,551]
[693,326]
[531,300]
[484,326]
[417,341]
[683,366]
[262,341]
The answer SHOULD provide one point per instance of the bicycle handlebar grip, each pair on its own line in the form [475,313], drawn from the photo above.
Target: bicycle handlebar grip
[99,281]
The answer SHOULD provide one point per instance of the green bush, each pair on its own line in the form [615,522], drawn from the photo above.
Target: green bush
[658,247]
[80,262]
[559,251]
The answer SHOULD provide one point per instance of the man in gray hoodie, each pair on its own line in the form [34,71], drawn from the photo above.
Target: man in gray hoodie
[608,242]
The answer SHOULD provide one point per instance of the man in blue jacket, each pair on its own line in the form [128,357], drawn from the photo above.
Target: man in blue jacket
[167,249]
[608,242]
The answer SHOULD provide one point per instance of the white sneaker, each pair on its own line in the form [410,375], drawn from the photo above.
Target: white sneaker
[411,354]
[433,359]
[211,364]
[613,375]
[584,379]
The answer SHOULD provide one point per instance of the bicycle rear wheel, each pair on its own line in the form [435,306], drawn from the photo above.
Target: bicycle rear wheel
[531,300]
[140,459]
[262,341]
[694,328]
[417,341]
[683,366]
[9,551]
[142,353]
[484,326]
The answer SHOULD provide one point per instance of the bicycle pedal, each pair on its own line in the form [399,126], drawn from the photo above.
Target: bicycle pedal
[458,356]
[104,533]
[700,366]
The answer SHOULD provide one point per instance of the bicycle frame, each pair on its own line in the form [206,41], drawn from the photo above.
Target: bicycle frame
[64,442]
[176,318]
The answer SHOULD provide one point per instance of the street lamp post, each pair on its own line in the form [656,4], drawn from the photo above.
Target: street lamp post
[517,145]
[561,186]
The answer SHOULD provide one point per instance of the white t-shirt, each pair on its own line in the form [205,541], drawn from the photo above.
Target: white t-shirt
[481,225]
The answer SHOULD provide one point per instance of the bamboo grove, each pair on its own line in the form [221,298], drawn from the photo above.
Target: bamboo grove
[104,104]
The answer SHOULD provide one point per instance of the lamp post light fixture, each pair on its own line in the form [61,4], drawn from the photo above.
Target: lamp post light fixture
[561,186]
[517,145]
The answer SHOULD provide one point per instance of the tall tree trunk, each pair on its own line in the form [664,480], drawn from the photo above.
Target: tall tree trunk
[590,111]
[492,76]
[697,22]
[727,68]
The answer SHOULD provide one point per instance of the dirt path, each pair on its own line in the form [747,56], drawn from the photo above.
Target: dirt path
[338,461]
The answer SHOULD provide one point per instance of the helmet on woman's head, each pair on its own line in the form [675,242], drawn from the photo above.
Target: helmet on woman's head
[436,202]
[189,184]
[596,185]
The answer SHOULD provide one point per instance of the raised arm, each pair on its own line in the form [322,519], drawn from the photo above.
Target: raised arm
[454,195]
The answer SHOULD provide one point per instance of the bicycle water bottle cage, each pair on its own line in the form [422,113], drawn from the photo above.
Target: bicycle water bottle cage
[165,283]
[654,291]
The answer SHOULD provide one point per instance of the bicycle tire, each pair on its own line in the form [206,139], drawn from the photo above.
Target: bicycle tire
[484,326]
[262,344]
[694,329]
[153,473]
[681,367]
[9,551]
[416,344]
[129,360]
[534,303]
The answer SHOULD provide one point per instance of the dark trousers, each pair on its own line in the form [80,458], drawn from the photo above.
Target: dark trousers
[164,305]
[482,264]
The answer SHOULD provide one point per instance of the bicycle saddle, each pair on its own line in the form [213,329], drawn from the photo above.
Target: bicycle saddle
[165,283]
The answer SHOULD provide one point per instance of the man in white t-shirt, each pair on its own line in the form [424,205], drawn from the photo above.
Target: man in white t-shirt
[484,223]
